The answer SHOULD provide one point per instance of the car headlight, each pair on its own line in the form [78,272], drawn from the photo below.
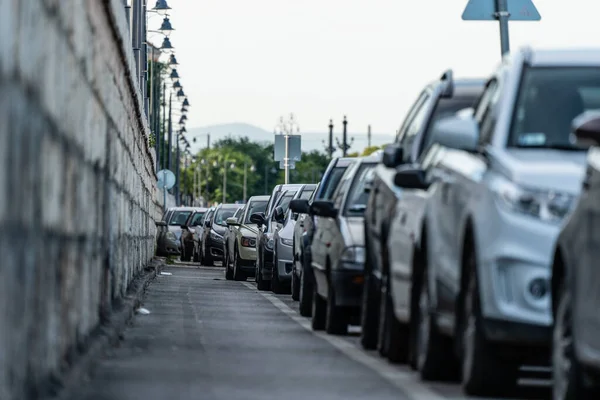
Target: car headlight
[215,236]
[171,236]
[248,242]
[286,242]
[354,254]
[546,205]
[269,244]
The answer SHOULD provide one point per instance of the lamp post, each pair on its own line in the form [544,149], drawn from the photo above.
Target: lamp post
[252,169]
[226,164]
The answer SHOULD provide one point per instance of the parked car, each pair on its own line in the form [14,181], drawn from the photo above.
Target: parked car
[226,240]
[212,235]
[298,237]
[338,250]
[302,266]
[176,218]
[576,280]
[240,246]
[166,241]
[186,241]
[199,234]
[283,237]
[264,239]
[389,332]
[500,182]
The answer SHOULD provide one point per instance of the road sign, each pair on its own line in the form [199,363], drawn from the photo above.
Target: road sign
[166,179]
[294,147]
[485,10]
[291,164]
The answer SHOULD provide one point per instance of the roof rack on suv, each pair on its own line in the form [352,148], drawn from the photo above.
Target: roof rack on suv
[448,77]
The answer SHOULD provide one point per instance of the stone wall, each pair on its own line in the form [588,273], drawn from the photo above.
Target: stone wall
[77,183]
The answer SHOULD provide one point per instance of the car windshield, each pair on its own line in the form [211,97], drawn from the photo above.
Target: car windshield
[179,217]
[255,207]
[549,100]
[197,219]
[332,182]
[358,197]
[222,215]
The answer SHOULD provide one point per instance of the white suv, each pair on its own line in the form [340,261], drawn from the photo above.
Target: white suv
[500,182]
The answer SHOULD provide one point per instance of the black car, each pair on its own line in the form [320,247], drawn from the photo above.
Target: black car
[187,233]
[302,251]
[264,239]
[214,230]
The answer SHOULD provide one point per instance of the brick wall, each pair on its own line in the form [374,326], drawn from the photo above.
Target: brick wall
[77,186]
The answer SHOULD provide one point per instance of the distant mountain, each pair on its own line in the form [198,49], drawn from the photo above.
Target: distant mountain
[310,140]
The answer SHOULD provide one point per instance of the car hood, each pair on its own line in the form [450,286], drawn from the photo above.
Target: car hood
[545,169]
[353,231]
[247,232]
[219,229]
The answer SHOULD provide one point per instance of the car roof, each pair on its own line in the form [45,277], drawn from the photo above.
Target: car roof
[185,208]
[559,56]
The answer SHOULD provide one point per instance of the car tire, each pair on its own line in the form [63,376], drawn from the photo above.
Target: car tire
[261,284]
[336,320]
[208,260]
[319,311]
[483,373]
[226,264]
[306,293]
[195,255]
[369,313]
[238,274]
[276,285]
[433,352]
[567,383]
[394,335]
[295,286]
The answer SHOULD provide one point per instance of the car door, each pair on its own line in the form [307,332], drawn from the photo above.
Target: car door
[384,192]
[231,231]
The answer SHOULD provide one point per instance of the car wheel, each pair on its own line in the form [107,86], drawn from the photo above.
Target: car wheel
[395,334]
[483,374]
[567,380]
[319,311]
[369,314]
[336,322]
[433,351]
[226,264]
[195,254]
[295,286]
[276,286]
[238,274]
[306,293]
[261,284]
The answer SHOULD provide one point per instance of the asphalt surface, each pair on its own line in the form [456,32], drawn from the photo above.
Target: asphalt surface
[208,338]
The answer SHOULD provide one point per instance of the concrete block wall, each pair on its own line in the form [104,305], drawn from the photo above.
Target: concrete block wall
[78,193]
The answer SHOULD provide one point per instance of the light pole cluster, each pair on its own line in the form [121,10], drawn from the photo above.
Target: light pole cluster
[344,145]
[287,128]
[159,80]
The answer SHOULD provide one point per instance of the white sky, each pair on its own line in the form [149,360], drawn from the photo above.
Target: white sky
[254,60]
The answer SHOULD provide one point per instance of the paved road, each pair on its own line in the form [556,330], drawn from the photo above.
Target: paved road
[212,339]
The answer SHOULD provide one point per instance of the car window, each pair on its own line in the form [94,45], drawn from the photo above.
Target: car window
[344,185]
[356,204]
[284,201]
[179,217]
[209,215]
[196,219]
[222,214]
[332,182]
[306,194]
[273,199]
[238,212]
[444,108]
[548,101]
[413,128]
[410,115]
[255,207]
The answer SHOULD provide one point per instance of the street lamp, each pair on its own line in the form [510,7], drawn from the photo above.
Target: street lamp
[161,5]
[252,169]
[174,74]
[166,44]
[180,92]
[176,85]
[166,26]
[173,60]
[186,102]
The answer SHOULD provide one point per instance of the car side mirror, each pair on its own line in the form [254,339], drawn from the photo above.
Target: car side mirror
[278,214]
[586,129]
[257,218]
[232,221]
[183,226]
[392,155]
[323,208]
[160,223]
[457,132]
[411,178]
[207,223]
[299,206]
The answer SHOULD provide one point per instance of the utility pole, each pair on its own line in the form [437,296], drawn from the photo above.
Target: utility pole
[225,183]
[369,136]
[163,126]
[502,14]
[330,148]
[177,174]
[345,146]
[208,140]
[170,128]
[245,180]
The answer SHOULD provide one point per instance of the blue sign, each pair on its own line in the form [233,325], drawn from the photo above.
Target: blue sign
[485,10]
[294,147]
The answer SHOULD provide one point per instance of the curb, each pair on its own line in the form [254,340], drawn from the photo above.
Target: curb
[109,333]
